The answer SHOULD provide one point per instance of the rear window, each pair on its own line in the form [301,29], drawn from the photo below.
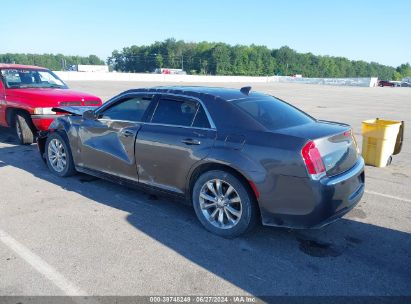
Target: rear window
[272,113]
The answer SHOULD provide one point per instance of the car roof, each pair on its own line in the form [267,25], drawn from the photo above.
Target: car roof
[227,94]
[20,66]
[218,102]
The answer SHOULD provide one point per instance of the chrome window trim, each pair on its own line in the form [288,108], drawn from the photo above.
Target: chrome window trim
[154,124]
[178,126]
[155,109]
[119,120]
[115,99]
[195,115]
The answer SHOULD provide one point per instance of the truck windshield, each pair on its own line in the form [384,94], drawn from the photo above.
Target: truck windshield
[273,113]
[28,78]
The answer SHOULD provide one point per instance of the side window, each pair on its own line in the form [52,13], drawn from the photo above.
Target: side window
[174,112]
[11,78]
[131,109]
[201,120]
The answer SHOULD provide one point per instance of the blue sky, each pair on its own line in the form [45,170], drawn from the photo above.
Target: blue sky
[370,30]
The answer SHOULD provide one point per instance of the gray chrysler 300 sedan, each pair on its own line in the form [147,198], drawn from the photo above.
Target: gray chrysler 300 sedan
[237,156]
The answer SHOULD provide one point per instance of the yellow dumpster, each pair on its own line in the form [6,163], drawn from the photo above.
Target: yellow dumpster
[380,139]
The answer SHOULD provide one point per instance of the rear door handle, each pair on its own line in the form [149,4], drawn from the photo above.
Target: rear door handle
[126,133]
[191,141]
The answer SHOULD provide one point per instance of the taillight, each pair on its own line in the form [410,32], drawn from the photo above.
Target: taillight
[347,133]
[313,161]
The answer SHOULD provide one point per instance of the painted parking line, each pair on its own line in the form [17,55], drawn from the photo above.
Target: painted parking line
[67,287]
[389,196]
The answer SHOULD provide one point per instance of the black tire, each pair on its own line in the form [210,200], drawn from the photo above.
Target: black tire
[68,169]
[249,212]
[24,128]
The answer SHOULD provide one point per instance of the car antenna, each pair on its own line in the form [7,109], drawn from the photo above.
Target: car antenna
[245,90]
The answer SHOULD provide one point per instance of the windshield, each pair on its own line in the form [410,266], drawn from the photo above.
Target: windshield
[273,113]
[27,78]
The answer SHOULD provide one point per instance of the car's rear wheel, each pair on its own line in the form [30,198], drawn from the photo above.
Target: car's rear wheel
[223,204]
[58,155]
[23,128]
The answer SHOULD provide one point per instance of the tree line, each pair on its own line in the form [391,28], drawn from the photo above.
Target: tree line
[211,58]
[50,61]
[253,60]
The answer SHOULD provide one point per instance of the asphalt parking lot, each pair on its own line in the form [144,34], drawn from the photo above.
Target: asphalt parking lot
[85,236]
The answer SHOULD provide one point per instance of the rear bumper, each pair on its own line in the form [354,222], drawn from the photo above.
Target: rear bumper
[42,122]
[314,204]
[342,193]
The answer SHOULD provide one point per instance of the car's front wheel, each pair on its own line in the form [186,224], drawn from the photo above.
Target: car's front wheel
[58,155]
[223,204]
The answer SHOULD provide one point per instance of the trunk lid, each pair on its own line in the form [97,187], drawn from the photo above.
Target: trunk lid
[334,141]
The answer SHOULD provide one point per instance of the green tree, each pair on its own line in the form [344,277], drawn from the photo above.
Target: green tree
[50,61]
[220,60]
[404,70]
[159,60]
[223,59]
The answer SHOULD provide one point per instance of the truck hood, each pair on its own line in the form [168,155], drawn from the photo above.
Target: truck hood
[51,95]
[78,111]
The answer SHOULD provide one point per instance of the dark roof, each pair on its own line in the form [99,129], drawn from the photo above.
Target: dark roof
[227,94]
[224,114]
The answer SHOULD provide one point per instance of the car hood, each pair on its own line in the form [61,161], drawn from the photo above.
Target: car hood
[51,94]
[72,110]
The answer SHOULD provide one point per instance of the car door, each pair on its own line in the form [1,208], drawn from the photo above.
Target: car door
[107,143]
[178,135]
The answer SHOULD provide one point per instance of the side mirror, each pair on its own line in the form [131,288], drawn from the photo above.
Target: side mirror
[89,114]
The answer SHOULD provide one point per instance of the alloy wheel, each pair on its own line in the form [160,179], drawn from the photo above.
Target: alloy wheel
[220,204]
[57,155]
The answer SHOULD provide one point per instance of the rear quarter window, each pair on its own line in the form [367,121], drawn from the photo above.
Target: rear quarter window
[273,113]
[201,120]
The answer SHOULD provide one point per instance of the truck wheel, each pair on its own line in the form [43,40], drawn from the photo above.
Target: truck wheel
[24,131]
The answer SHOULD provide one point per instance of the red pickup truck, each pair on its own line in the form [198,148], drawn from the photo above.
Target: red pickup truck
[27,95]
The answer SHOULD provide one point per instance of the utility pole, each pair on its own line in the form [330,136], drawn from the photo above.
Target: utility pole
[182,62]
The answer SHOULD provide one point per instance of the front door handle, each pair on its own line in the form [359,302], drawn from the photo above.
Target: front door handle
[191,141]
[126,133]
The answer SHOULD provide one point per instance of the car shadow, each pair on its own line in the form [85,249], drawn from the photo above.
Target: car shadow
[349,257]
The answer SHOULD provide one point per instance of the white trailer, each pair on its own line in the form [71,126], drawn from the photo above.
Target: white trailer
[91,68]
